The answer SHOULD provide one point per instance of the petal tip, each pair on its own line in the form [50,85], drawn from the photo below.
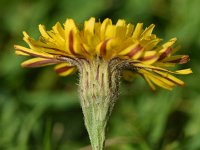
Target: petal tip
[184,59]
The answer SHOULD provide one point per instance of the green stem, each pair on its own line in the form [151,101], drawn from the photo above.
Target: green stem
[96,127]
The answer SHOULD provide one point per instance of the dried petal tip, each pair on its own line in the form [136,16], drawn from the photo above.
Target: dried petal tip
[184,59]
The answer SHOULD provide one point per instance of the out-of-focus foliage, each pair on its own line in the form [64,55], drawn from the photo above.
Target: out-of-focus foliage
[41,111]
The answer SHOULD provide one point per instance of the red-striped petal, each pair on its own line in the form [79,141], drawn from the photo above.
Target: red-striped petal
[64,69]
[38,62]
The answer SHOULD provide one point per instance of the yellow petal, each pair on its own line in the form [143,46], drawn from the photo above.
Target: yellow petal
[169,43]
[178,59]
[110,32]
[38,62]
[147,32]
[107,48]
[166,49]
[21,53]
[152,68]
[170,77]
[129,30]
[120,32]
[25,34]
[39,46]
[138,30]
[57,40]
[89,26]
[121,22]
[97,29]
[21,49]
[59,29]
[160,81]
[152,86]
[150,44]
[184,71]
[104,26]
[43,31]
[64,69]
[112,48]
[134,51]
[149,57]
[164,64]
[113,31]
[72,37]
[26,37]
[70,25]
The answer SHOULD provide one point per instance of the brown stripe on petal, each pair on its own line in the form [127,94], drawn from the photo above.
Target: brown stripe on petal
[174,82]
[53,48]
[40,63]
[84,50]
[165,53]
[184,59]
[63,69]
[31,54]
[148,58]
[135,50]
[103,48]
[172,79]
[71,42]
[45,47]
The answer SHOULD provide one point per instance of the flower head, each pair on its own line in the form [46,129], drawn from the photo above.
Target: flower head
[137,48]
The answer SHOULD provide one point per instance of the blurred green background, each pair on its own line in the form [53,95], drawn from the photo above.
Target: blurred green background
[40,110]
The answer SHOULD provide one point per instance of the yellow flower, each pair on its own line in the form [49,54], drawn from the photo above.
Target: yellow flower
[139,48]
[101,52]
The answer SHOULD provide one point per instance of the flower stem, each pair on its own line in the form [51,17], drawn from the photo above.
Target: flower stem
[98,92]
[96,128]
